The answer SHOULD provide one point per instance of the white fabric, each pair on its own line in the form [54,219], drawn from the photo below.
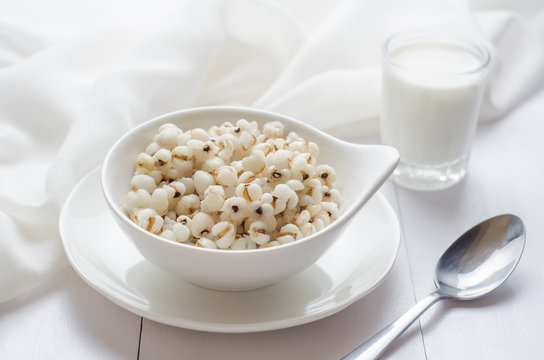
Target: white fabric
[76,75]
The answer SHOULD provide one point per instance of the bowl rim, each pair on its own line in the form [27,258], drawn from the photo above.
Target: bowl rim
[344,217]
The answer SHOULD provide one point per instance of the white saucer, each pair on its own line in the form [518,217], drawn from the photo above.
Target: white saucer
[106,259]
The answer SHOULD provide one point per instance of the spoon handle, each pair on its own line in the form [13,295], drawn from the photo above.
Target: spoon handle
[376,345]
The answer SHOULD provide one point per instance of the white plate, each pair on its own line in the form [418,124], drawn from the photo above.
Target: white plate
[106,259]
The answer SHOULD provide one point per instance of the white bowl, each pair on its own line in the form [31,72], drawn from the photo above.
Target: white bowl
[361,170]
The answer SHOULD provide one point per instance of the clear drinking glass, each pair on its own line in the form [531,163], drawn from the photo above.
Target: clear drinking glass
[432,90]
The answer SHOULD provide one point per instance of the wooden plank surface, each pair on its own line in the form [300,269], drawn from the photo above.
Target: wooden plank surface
[66,319]
[506,175]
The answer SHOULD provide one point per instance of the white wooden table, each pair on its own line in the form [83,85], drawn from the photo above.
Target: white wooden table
[66,319]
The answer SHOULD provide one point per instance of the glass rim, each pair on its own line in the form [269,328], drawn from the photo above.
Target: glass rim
[448,38]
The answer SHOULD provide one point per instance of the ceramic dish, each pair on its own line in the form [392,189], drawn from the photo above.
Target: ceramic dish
[360,171]
[107,260]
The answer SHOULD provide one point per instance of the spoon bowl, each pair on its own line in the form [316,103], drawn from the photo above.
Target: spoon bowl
[477,263]
[481,259]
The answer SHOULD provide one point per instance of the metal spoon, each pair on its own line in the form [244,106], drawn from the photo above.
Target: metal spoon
[475,264]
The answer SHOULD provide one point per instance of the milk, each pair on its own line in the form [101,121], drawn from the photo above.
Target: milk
[431,99]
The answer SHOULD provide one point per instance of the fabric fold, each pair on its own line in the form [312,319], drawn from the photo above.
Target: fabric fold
[66,99]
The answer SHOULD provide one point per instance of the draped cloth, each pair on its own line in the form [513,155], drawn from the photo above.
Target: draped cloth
[73,83]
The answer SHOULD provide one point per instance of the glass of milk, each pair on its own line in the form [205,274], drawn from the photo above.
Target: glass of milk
[432,90]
